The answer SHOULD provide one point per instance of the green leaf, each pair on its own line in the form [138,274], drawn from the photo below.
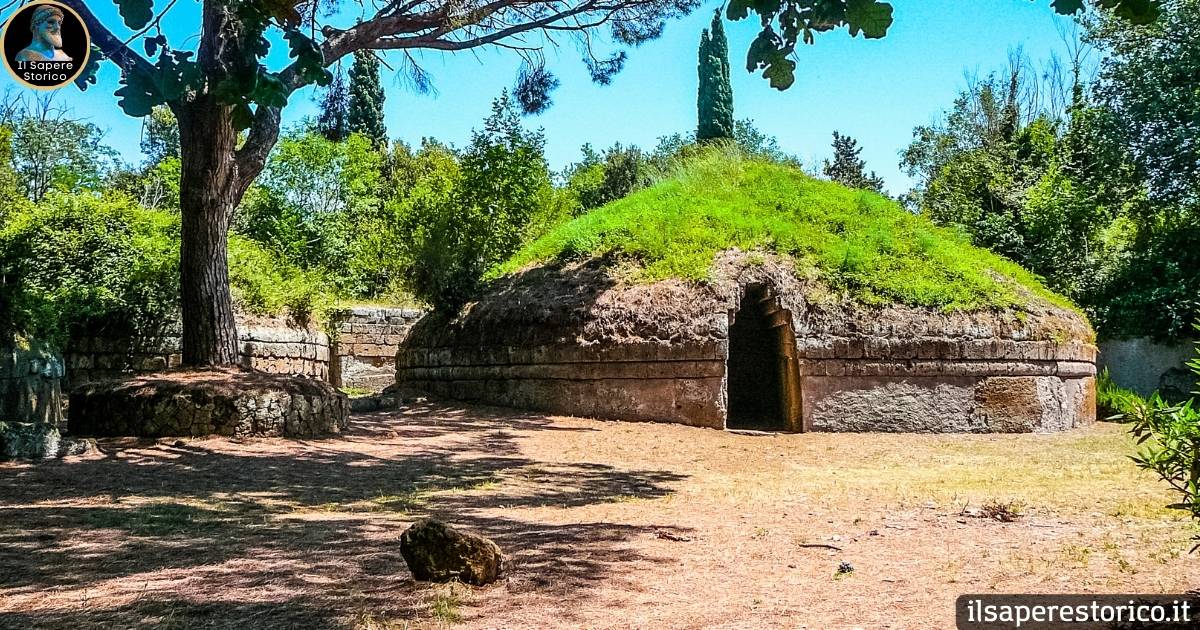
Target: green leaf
[243,116]
[139,94]
[766,7]
[283,10]
[88,76]
[738,9]
[781,72]
[1067,7]
[871,17]
[310,63]
[136,13]
[269,91]
[769,53]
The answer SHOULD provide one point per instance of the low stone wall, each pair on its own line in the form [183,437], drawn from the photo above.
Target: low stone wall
[1145,366]
[276,348]
[33,378]
[682,383]
[364,345]
[30,383]
[221,402]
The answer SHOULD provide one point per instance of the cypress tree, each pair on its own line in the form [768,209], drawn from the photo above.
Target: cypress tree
[714,99]
[365,113]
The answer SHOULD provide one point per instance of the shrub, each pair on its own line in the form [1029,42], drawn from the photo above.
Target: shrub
[81,261]
[1113,401]
[453,239]
[1155,290]
[314,200]
[1170,439]
[265,284]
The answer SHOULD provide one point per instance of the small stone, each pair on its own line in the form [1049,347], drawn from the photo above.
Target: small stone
[437,552]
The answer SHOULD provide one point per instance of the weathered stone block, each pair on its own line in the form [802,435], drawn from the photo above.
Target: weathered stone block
[226,402]
[28,440]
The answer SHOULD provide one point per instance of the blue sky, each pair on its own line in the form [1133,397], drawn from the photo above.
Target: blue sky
[875,91]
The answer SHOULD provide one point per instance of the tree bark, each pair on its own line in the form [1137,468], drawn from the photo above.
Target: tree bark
[208,194]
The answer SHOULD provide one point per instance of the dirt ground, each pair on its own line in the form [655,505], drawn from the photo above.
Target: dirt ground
[606,524]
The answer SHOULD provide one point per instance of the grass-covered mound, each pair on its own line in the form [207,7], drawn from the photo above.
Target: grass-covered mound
[849,240]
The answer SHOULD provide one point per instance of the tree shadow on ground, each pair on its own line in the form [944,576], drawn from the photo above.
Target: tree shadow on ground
[300,533]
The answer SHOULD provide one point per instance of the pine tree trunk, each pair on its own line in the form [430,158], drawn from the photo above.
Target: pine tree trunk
[207,197]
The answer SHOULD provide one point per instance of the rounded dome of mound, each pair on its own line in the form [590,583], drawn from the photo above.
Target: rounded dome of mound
[854,315]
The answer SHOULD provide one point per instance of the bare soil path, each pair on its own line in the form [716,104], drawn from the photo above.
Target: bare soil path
[607,524]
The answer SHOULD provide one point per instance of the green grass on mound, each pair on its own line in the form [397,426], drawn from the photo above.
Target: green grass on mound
[853,241]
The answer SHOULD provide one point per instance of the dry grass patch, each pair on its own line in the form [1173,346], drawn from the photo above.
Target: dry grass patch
[605,524]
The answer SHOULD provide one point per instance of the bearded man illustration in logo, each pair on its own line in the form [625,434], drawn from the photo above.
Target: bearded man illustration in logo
[47,36]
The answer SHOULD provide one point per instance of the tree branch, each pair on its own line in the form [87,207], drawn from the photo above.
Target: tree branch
[109,44]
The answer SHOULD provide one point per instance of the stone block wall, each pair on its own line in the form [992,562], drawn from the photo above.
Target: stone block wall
[944,391]
[965,380]
[946,385]
[30,382]
[275,348]
[362,355]
[1145,366]
[682,383]
[364,345]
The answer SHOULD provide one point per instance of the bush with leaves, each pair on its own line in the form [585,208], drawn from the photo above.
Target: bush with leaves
[502,188]
[80,262]
[752,143]
[315,198]
[600,178]
[265,285]
[1035,180]
[1169,436]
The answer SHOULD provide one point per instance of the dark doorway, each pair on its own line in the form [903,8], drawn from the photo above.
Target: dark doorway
[758,363]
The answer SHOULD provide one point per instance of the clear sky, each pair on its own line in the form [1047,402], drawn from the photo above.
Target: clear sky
[875,91]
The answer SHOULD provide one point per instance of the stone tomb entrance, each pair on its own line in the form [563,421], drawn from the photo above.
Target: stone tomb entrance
[762,378]
[756,346]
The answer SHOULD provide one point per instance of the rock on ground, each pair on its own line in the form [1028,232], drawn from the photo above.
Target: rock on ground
[436,552]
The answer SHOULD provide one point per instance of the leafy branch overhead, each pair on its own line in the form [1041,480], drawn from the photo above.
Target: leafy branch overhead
[229,63]
[785,23]
[242,85]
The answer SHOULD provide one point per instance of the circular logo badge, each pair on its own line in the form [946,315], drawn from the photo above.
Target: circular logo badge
[46,45]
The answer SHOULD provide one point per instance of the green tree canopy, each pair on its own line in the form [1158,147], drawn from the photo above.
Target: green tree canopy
[503,181]
[1149,79]
[160,137]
